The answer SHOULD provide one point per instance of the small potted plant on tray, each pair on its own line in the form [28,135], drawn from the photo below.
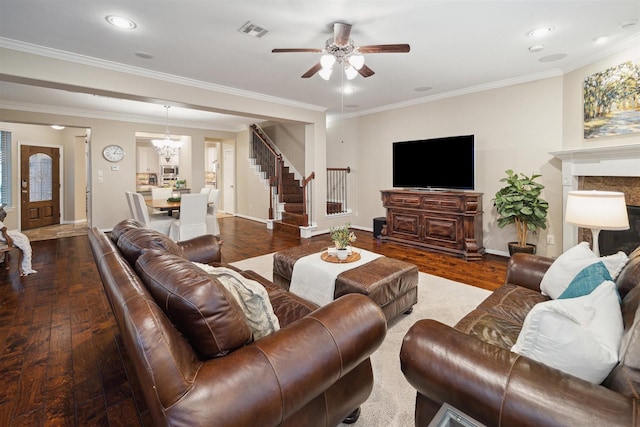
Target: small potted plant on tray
[519,203]
[342,238]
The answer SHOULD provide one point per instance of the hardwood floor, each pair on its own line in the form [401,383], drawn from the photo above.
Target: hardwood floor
[62,361]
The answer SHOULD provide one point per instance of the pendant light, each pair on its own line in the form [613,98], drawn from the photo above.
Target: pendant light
[167,147]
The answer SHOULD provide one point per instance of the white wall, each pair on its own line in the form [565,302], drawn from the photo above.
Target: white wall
[515,127]
[252,194]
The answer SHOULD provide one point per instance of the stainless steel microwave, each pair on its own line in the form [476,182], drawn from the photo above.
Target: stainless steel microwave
[166,170]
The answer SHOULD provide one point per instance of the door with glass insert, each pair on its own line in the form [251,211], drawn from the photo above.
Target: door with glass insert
[39,186]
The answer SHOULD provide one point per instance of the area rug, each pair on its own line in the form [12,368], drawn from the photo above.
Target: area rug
[392,400]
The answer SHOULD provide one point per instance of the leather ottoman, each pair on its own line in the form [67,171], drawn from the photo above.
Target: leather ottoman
[391,283]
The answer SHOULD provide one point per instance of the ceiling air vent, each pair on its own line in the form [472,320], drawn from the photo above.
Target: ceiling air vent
[253,30]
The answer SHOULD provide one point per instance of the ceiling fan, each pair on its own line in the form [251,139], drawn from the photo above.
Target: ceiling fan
[341,50]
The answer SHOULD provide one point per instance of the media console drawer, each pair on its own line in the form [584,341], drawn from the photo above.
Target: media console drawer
[443,221]
[405,200]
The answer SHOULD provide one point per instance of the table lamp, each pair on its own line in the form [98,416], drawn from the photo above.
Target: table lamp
[597,210]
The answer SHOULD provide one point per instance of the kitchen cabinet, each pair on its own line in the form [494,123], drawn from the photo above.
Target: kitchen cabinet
[147,160]
[443,221]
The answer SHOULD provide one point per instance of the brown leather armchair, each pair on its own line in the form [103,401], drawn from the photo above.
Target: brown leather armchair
[470,366]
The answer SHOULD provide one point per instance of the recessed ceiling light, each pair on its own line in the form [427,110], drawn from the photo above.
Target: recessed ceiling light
[539,32]
[536,48]
[351,105]
[144,55]
[601,39]
[120,22]
[57,127]
[554,57]
[628,24]
[423,89]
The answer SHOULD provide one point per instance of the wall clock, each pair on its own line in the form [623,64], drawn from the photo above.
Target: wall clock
[113,153]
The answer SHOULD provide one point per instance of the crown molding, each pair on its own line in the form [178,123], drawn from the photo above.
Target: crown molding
[103,115]
[142,72]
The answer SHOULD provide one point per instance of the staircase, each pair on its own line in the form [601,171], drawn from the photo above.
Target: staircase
[290,215]
[292,198]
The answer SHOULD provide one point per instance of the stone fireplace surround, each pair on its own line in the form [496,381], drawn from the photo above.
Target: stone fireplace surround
[612,168]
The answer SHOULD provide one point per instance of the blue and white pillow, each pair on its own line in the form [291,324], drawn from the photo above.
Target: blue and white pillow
[576,267]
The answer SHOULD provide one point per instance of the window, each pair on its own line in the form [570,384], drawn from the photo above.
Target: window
[5,168]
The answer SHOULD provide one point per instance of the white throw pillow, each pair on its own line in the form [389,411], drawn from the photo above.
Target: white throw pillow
[565,268]
[251,296]
[580,336]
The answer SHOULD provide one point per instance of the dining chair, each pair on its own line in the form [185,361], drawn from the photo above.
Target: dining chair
[130,202]
[160,193]
[5,250]
[193,215]
[212,212]
[160,223]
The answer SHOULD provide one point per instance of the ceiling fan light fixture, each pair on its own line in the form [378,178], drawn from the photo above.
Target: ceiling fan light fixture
[350,72]
[327,61]
[325,73]
[356,61]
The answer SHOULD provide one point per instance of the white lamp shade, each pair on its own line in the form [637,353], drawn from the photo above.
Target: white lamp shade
[356,61]
[600,210]
[350,72]
[325,73]
[327,61]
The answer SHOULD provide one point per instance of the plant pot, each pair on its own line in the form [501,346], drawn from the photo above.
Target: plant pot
[514,248]
[342,254]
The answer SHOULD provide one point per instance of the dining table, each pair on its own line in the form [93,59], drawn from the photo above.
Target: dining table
[163,205]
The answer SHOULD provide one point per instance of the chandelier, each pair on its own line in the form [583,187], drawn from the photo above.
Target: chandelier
[167,147]
[346,56]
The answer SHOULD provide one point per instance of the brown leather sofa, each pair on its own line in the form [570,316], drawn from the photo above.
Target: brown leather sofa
[470,367]
[314,371]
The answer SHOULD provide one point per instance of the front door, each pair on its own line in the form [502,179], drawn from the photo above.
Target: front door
[39,186]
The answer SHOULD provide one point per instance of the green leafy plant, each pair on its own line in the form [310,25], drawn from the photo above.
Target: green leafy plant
[519,203]
[342,237]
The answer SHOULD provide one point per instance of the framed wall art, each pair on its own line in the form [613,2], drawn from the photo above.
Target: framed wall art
[611,101]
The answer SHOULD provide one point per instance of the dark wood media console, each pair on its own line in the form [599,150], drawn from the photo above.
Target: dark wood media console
[443,221]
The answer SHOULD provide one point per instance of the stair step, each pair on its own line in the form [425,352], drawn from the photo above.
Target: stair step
[293,218]
[292,198]
[284,227]
[291,183]
[297,208]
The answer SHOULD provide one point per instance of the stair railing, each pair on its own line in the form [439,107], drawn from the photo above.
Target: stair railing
[337,190]
[307,199]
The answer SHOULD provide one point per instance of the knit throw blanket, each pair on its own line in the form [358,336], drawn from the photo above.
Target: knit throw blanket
[314,279]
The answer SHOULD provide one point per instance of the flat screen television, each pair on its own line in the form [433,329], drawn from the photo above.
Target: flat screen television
[435,164]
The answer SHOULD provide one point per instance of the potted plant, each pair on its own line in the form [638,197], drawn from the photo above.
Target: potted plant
[519,203]
[342,238]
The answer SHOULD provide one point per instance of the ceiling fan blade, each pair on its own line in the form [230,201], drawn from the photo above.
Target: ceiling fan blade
[384,48]
[341,33]
[312,71]
[296,50]
[366,71]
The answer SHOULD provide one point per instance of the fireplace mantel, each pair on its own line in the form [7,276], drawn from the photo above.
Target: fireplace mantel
[618,160]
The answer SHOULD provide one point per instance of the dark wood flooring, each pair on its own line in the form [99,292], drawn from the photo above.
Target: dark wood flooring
[62,362]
